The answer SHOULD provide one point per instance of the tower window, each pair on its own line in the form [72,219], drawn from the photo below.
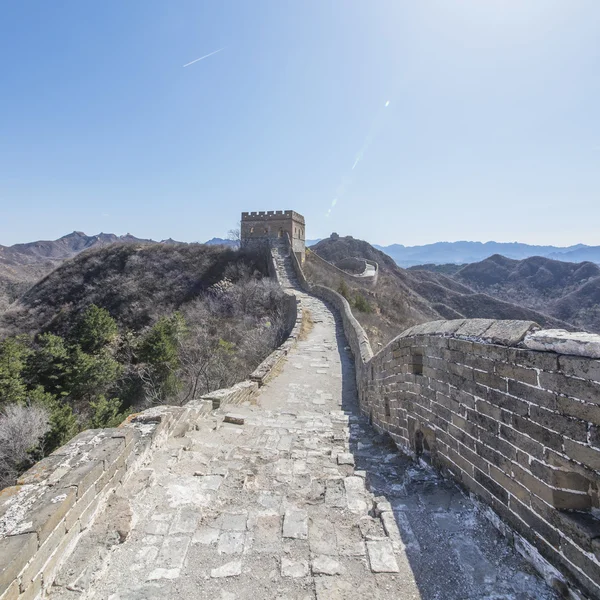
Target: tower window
[417,363]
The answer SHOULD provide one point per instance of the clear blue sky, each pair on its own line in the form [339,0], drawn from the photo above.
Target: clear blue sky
[492,129]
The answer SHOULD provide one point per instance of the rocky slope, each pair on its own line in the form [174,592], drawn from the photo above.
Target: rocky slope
[406,297]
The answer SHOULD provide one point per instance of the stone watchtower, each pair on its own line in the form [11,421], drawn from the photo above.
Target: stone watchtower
[271,227]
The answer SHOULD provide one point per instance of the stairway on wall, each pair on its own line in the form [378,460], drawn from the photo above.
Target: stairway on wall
[283,262]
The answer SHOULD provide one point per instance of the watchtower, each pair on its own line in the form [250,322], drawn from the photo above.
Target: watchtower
[272,226]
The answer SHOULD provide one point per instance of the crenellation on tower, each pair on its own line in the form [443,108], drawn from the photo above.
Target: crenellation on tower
[271,227]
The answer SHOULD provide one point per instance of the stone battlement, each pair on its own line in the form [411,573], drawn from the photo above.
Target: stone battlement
[272,215]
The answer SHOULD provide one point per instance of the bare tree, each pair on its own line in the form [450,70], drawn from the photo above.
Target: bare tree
[235,234]
[21,431]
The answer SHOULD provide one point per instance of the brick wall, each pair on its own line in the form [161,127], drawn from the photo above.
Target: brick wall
[339,273]
[517,427]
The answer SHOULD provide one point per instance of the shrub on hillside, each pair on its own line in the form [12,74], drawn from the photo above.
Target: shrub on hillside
[22,429]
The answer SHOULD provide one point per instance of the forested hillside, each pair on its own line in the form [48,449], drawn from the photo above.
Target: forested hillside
[125,327]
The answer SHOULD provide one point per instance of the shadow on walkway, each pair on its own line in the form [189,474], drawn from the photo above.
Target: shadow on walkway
[454,552]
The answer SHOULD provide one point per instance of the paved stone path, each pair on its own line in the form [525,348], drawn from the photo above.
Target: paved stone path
[279,507]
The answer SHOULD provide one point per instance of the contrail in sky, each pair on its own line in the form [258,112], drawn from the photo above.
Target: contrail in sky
[205,56]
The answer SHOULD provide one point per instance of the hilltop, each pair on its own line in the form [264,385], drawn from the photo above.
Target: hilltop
[21,265]
[404,298]
[564,290]
[135,282]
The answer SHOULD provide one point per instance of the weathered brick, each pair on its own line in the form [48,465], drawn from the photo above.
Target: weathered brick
[567,426]
[493,456]
[521,441]
[483,421]
[32,591]
[544,398]
[595,436]
[490,380]
[584,454]
[491,486]
[480,363]
[48,511]
[538,432]
[569,480]
[78,508]
[459,460]
[83,476]
[12,592]
[524,459]
[474,458]
[498,444]
[475,487]
[537,524]
[580,559]
[509,484]
[488,409]
[581,527]
[506,402]
[517,373]
[491,352]
[51,567]
[577,408]
[460,345]
[41,471]
[465,399]
[15,552]
[560,499]
[579,366]
[570,386]
[533,359]
[34,568]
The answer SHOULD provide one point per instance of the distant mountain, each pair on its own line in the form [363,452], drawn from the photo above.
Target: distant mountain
[21,265]
[406,297]
[564,290]
[61,249]
[470,252]
[222,242]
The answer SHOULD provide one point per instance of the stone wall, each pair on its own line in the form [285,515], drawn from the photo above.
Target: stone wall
[517,427]
[510,412]
[57,500]
[339,273]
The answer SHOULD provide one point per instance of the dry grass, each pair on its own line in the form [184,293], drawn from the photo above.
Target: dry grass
[307,325]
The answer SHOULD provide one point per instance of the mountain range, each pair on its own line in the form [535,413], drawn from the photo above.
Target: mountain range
[470,252]
[403,298]
[21,265]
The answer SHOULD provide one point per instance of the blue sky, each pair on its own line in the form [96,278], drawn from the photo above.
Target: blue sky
[492,129]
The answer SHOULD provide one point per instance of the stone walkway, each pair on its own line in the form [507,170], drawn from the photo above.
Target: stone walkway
[298,498]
